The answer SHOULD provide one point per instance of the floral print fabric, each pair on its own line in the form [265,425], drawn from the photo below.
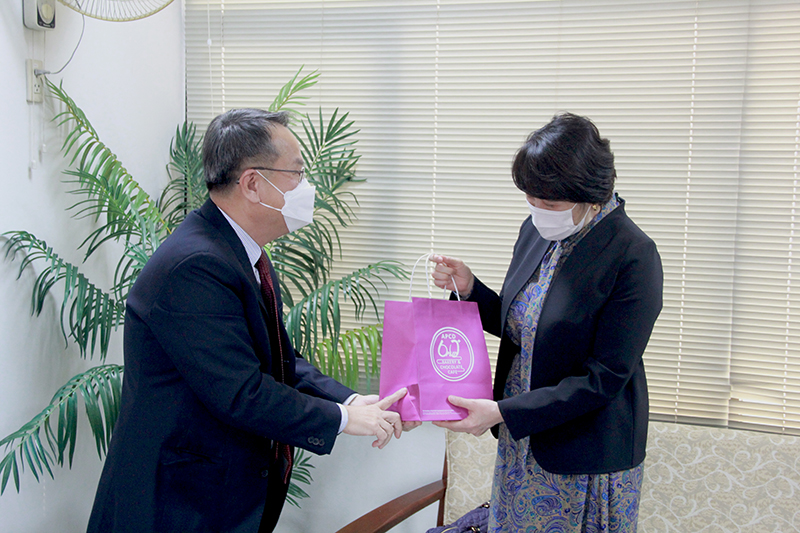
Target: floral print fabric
[525,498]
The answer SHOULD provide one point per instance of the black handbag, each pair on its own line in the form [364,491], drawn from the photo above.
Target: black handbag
[475,521]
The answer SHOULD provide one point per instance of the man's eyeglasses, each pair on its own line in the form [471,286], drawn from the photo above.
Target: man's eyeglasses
[300,173]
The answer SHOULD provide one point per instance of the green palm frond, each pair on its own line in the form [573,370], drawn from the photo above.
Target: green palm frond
[139,232]
[92,157]
[303,258]
[100,389]
[186,189]
[287,97]
[326,147]
[319,313]
[342,363]
[301,473]
[88,314]
[110,192]
[300,261]
[329,156]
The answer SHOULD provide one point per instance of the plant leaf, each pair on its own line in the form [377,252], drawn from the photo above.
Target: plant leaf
[287,96]
[320,309]
[109,193]
[186,189]
[25,446]
[92,314]
[301,473]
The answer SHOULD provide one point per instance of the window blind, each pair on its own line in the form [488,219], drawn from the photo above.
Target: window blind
[765,340]
[701,102]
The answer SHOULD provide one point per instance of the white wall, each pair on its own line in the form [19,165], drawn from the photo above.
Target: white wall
[129,79]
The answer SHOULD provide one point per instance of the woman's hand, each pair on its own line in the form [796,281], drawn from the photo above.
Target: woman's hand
[483,414]
[408,425]
[449,269]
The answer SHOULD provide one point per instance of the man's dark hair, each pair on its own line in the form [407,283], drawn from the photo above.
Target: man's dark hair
[235,139]
[566,160]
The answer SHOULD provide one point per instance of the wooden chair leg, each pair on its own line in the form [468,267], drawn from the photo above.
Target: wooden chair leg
[440,517]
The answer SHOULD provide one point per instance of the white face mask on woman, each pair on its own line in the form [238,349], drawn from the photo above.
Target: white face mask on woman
[555,225]
[298,204]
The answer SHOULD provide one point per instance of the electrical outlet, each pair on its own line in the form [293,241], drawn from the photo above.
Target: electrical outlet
[35,83]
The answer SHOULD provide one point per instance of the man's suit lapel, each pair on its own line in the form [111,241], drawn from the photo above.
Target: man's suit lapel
[210,212]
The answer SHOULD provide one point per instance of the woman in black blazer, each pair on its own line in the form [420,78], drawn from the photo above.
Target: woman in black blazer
[576,311]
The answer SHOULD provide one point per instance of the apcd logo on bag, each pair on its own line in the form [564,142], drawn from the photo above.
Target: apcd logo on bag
[451,354]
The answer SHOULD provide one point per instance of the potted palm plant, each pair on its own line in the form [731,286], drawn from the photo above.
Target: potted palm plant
[123,212]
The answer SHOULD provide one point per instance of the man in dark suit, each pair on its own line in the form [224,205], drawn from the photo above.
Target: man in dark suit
[214,396]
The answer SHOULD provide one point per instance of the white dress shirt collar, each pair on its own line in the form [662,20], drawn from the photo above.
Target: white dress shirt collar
[251,247]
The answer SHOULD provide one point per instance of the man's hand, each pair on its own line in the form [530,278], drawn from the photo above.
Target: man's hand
[371,399]
[368,416]
[483,414]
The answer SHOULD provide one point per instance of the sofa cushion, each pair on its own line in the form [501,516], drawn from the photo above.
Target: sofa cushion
[719,480]
[470,468]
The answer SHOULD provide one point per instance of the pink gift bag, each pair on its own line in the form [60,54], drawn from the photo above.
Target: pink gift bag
[434,348]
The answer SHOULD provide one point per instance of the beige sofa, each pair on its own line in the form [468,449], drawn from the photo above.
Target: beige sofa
[697,479]
[719,480]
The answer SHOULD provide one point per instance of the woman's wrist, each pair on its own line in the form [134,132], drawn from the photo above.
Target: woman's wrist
[468,292]
[499,413]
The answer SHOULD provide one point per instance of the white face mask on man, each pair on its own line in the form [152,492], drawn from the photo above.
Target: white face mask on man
[298,204]
[555,225]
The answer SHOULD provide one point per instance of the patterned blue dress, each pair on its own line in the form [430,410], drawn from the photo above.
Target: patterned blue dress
[525,498]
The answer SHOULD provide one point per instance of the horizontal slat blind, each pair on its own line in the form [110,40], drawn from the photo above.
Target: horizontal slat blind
[765,360]
[699,99]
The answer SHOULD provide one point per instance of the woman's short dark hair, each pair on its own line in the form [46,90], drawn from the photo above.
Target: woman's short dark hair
[566,160]
[237,138]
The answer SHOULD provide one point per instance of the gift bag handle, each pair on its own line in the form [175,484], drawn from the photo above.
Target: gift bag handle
[428,278]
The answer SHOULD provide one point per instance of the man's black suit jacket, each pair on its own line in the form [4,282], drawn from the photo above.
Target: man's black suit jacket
[200,408]
[587,409]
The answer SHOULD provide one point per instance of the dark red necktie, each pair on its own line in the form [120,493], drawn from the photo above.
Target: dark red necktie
[268,292]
